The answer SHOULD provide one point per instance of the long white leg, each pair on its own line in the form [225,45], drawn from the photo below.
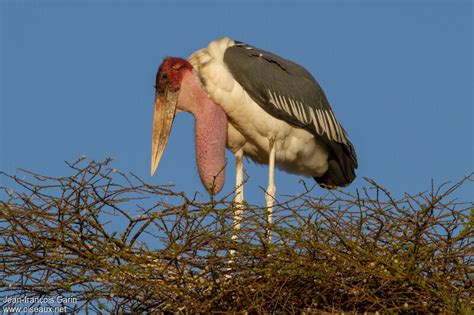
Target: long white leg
[239,193]
[239,177]
[270,194]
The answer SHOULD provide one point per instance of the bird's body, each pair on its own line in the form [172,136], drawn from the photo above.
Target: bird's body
[250,126]
[299,150]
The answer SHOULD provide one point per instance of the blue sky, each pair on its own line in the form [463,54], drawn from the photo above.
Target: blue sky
[77,78]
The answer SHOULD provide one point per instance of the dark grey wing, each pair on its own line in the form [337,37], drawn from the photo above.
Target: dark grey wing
[289,92]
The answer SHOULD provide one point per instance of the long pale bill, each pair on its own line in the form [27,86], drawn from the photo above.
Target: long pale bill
[165,109]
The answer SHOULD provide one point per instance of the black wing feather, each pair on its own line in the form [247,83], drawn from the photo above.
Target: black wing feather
[289,92]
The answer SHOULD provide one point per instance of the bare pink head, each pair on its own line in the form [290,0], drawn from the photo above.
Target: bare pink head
[177,87]
[170,74]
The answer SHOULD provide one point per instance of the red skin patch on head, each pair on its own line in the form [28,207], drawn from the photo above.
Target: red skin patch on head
[170,73]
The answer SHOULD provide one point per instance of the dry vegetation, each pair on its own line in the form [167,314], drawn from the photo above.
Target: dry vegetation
[118,244]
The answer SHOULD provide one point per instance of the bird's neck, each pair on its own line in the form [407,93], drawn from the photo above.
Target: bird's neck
[210,131]
[192,96]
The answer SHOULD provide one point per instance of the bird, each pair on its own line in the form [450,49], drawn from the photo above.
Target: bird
[258,105]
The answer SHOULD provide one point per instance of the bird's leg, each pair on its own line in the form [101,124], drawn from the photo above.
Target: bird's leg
[270,193]
[239,177]
[239,193]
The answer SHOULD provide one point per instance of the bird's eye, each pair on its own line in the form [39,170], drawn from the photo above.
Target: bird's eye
[164,75]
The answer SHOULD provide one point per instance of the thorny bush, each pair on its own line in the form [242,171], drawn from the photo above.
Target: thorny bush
[114,243]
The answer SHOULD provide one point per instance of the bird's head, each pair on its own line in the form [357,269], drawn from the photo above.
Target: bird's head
[170,74]
[178,88]
[168,84]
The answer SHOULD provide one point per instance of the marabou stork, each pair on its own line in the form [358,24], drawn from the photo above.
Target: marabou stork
[256,104]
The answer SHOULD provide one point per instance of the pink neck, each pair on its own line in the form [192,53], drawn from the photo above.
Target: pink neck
[210,129]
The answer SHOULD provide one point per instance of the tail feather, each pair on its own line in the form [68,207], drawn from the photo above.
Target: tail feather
[342,164]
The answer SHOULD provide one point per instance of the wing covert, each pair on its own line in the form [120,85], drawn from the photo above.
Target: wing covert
[284,89]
